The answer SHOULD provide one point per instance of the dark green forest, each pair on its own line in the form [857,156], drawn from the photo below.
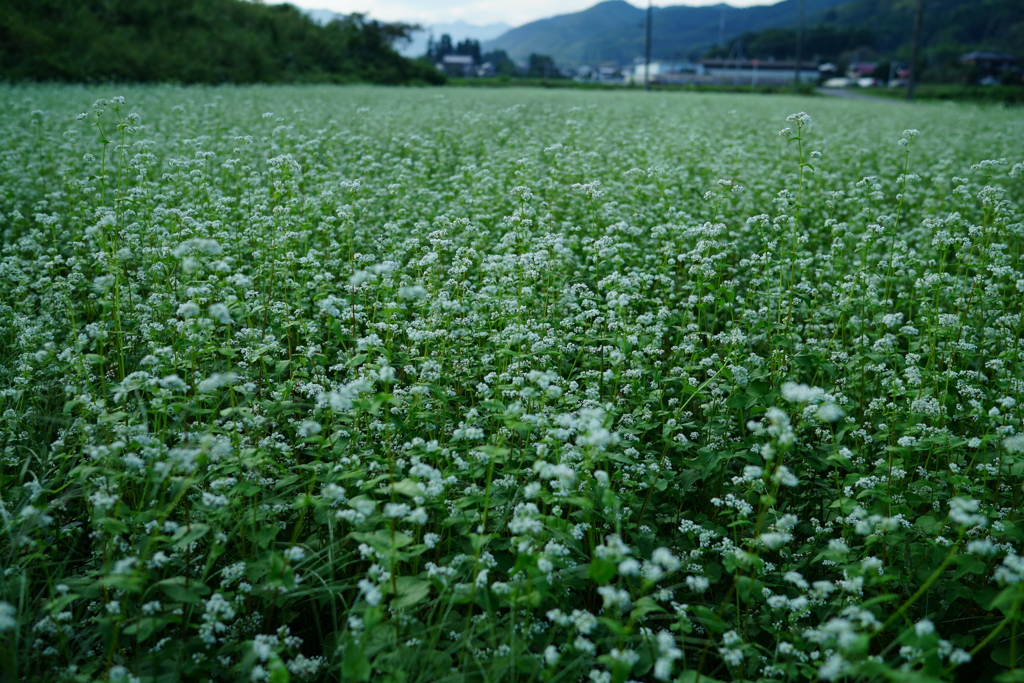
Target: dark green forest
[822,42]
[882,30]
[196,41]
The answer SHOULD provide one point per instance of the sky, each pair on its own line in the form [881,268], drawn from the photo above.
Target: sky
[514,13]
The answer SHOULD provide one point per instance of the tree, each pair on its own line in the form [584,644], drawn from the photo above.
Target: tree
[444,47]
[197,41]
[542,66]
[822,42]
[441,49]
[469,47]
[503,64]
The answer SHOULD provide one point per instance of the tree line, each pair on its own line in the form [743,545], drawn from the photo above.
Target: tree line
[197,41]
[824,42]
[536,66]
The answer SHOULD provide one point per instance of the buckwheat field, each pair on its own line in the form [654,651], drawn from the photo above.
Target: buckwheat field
[360,384]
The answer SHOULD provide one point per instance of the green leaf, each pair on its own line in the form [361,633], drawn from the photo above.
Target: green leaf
[125,582]
[645,605]
[381,540]
[1014,530]
[744,587]
[266,535]
[1002,656]
[278,671]
[189,534]
[710,620]
[113,526]
[183,589]
[687,479]
[408,487]
[1005,597]
[968,565]
[601,571]
[354,666]
[758,388]
[479,541]
[494,452]
[740,400]
[614,626]
[143,628]
[411,591]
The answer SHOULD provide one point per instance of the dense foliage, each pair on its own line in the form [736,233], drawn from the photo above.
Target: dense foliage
[444,47]
[866,29]
[826,43]
[196,41]
[364,384]
[948,27]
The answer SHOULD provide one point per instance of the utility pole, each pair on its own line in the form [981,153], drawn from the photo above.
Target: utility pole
[799,45]
[647,58]
[912,80]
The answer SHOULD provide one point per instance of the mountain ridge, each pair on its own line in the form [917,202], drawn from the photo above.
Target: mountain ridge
[613,31]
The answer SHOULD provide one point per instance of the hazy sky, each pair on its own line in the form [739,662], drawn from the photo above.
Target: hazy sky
[514,12]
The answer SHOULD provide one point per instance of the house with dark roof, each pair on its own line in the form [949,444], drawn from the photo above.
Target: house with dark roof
[989,63]
[459,66]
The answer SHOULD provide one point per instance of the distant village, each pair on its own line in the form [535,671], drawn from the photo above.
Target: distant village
[465,60]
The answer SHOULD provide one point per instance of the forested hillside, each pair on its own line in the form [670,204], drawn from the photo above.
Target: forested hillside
[883,29]
[959,24]
[614,30]
[195,41]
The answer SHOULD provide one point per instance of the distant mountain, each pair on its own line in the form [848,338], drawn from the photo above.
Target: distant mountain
[613,31]
[417,47]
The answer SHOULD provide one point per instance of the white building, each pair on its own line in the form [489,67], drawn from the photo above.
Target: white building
[457,65]
[660,72]
[600,74]
[756,72]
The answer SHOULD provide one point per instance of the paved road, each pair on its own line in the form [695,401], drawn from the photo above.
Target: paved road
[854,95]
